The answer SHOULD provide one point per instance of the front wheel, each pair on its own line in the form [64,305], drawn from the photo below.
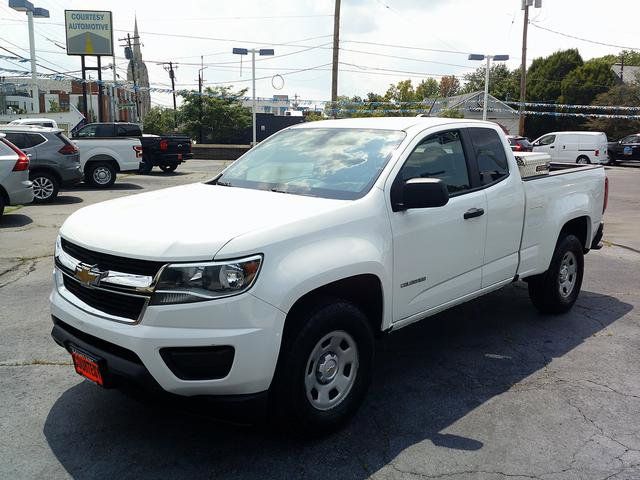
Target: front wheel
[325,367]
[100,174]
[582,160]
[168,168]
[556,290]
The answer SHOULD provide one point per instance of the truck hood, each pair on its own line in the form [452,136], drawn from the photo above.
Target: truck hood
[190,222]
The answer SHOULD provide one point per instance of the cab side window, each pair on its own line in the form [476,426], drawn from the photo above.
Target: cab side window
[490,155]
[88,131]
[439,156]
[547,140]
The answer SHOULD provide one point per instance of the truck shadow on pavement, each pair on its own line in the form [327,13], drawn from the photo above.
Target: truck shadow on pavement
[116,186]
[427,377]
[14,220]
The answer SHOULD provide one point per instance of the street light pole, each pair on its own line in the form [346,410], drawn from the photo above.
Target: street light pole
[31,11]
[253,95]
[486,88]
[488,58]
[35,96]
[253,51]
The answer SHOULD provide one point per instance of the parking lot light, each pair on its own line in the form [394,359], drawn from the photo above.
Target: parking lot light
[497,58]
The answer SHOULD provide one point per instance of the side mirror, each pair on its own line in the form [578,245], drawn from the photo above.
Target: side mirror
[422,193]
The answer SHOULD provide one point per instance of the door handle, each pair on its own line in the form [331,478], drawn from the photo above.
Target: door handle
[473,212]
[552,146]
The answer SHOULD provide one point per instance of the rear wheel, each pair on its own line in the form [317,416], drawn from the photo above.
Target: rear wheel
[168,168]
[324,368]
[100,174]
[556,290]
[582,160]
[1,206]
[45,187]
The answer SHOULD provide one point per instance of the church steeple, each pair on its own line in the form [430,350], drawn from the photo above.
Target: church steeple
[137,53]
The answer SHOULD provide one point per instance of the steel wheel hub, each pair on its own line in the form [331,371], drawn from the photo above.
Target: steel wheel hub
[101,175]
[42,188]
[331,370]
[567,275]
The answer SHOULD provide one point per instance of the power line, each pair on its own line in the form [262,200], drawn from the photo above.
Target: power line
[583,39]
[407,47]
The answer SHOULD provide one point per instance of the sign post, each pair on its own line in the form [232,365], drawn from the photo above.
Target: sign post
[89,32]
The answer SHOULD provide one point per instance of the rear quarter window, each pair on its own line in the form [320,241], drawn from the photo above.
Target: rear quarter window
[490,155]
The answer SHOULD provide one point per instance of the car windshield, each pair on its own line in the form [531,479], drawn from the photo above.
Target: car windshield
[339,163]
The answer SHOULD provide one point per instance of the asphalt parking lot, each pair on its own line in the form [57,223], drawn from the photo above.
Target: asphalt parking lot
[488,390]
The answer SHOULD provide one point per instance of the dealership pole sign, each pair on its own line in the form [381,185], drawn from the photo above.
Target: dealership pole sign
[89,32]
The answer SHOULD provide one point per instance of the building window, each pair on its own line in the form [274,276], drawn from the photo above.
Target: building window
[266,109]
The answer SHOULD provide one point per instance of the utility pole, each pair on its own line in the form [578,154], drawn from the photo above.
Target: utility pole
[129,56]
[336,49]
[172,76]
[200,82]
[523,68]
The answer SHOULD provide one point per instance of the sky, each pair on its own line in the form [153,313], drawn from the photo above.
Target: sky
[422,38]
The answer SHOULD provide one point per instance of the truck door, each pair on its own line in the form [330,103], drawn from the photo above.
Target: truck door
[438,252]
[505,206]
[546,144]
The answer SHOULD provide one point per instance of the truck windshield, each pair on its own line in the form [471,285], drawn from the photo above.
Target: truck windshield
[339,163]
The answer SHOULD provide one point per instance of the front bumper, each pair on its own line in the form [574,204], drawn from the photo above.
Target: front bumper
[250,326]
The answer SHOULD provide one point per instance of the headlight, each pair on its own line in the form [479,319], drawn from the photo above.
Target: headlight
[198,282]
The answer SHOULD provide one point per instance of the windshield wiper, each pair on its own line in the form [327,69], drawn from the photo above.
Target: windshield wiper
[278,191]
[224,184]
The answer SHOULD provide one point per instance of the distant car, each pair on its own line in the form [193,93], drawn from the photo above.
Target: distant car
[38,122]
[574,147]
[519,144]
[55,161]
[625,150]
[15,186]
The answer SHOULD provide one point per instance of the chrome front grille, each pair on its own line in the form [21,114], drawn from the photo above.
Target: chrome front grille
[120,295]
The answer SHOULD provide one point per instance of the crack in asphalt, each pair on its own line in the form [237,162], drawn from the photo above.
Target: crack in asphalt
[26,264]
[38,362]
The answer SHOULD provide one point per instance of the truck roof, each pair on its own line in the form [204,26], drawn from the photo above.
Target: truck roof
[388,123]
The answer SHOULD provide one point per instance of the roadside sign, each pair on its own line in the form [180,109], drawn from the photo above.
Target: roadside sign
[89,32]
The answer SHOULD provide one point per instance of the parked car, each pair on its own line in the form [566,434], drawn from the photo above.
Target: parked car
[578,147]
[329,233]
[519,144]
[103,155]
[38,122]
[166,151]
[15,186]
[54,160]
[625,150]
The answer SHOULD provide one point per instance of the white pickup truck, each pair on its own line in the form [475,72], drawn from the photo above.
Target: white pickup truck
[103,155]
[275,278]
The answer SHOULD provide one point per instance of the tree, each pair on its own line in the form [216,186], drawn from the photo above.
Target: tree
[544,85]
[583,84]
[451,113]
[427,89]
[449,86]
[615,128]
[54,107]
[401,92]
[159,120]
[223,119]
[503,83]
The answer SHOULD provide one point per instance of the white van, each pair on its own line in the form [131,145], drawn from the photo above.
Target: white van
[573,147]
[40,122]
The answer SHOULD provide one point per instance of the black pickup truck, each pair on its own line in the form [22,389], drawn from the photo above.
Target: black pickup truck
[164,151]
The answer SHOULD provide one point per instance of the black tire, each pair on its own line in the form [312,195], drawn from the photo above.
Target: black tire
[583,160]
[1,206]
[291,396]
[100,174]
[168,168]
[612,160]
[549,291]
[45,187]
[146,167]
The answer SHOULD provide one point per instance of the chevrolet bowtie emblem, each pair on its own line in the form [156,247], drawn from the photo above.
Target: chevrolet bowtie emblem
[89,274]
